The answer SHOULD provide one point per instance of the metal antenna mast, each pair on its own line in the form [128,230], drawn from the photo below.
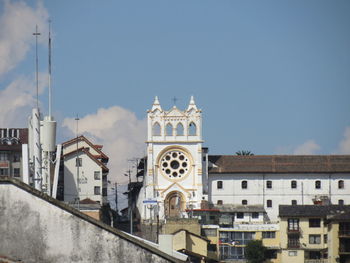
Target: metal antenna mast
[50,99]
[36,34]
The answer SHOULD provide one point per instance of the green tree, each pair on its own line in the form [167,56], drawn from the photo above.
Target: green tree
[244,153]
[255,251]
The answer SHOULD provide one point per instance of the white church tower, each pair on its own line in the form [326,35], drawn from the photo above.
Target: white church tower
[173,177]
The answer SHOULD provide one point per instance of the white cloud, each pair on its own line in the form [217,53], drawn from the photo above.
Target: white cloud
[344,145]
[18,22]
[307,148]
[119,131]
[18,98]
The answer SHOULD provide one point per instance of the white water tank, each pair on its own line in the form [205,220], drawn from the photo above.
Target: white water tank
[48,134]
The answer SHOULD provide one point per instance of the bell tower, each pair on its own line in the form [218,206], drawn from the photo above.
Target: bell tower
[174,160]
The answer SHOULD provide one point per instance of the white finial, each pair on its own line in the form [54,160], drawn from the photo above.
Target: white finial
[192,101]
[156,101]
[192,104]
[156,104]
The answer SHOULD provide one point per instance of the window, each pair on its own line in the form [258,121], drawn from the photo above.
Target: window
[97,175]
[78,162]
[292,253]
[340,202]
[3,156]
[255,215]
[341,184]
[192,129]
[269,203]
[293,184]
[325,238]
[314,222]
[169,129]
[294,202]
[219,202]
[269,184]
[293,241]
[219,184]
[209,232]
[104,191]
[179,129]
[269,234]
[244,202]
[318,184]
[4,171]
[156,129]
[16,172]
[293,224]
[244,184]
[240,215]
[97,190]
[314,239]
[16,158]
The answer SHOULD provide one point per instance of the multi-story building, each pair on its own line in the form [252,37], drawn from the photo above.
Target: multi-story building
[11,141]
[84,171]
[279,180]
[339,237]
[307,236]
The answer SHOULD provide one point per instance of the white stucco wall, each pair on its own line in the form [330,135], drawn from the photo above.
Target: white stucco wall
[35,230]
[281,192]
[87,181]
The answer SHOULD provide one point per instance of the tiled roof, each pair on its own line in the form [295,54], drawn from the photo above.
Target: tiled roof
[239,208]
[226,164]
[312,210]
[83,138]
[86,150]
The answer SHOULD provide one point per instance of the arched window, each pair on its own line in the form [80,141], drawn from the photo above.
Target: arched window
[244,184]
[318,184]
[192,129]
[219,184]
[179,129]
[269,184]
[341,184]
[340,202]
[156,129]
[169,129]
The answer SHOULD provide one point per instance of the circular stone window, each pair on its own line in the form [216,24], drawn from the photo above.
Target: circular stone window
[175,164]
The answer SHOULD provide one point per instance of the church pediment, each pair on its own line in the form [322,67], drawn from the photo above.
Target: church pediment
[175,112]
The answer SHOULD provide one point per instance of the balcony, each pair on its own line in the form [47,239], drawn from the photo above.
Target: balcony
[293,230]
[344,233]
[315,261]
[293,243]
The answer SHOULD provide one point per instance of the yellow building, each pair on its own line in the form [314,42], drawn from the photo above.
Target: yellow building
[339,238]
[306,234]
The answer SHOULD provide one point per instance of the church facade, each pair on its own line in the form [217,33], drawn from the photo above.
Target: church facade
[180,175]
[174,176]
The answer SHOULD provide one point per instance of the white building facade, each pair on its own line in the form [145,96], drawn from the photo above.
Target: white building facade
[85,172]
[173,178]
[279,180]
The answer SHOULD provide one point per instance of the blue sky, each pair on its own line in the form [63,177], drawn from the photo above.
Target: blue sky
[272,77]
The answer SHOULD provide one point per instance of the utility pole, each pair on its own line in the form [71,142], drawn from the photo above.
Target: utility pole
[77,163]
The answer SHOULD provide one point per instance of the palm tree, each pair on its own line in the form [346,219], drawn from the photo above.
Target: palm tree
[245,153]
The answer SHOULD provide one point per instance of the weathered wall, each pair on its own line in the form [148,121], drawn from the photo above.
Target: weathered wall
[37,229]
[175,224]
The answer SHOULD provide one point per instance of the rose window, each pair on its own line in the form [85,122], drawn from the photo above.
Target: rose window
[175,164]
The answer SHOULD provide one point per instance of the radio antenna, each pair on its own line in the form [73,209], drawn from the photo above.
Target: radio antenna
[36,34]
[50,92]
